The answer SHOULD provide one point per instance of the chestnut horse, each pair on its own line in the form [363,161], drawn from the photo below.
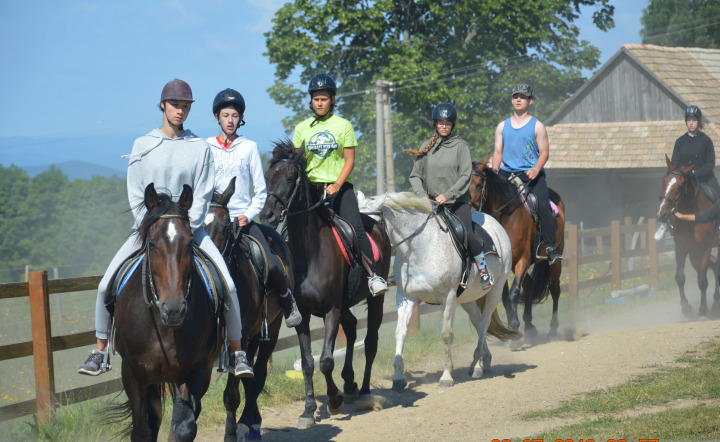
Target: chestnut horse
[323,286]
[680,192]
[261,314]
[165,326]
[533,277]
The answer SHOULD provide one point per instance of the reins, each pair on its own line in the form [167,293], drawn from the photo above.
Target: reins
[298,182]
[483,195]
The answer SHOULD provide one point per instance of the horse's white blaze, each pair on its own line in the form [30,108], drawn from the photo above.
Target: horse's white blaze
[171,231]
[209,218]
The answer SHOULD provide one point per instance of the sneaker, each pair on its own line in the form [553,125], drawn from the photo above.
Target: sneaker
[95,364]
[486,279]
[377,285]
[290,310]
[239,365]
[553,255]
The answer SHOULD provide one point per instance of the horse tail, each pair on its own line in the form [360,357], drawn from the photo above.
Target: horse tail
[121,413]
[536,282]
[497,327]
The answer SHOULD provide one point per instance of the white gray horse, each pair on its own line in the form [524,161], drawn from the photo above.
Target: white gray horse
[428,269]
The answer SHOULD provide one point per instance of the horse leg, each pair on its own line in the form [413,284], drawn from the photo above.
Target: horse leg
[155,409]
[349,325]
[446,380]
[307,418]
[231,400]
[187,406]
[251,420]
[137,400]
[715,311]
[680,256]
[700,263]
[374,317]
[405,307]
[327,362]
[481,359]
[555,271]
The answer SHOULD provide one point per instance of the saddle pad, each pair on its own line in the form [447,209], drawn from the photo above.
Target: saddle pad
[343,249]
[122,276]
[553,206]
[213,281]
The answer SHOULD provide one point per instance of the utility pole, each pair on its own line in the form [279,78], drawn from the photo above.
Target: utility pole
[389,163]
[379,137]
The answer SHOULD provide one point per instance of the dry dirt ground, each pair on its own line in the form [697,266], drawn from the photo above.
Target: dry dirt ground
[592,355]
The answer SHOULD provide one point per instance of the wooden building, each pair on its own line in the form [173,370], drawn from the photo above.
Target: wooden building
[609,140]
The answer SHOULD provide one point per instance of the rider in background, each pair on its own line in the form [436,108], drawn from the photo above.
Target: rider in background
[237,157]
[330,151]
[522,147]
[442,171]
[696,148]
[169,157]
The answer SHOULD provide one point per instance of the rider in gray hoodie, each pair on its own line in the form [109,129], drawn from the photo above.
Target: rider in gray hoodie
[169,157]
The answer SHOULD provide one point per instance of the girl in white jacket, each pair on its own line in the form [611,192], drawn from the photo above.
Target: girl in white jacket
[237,157]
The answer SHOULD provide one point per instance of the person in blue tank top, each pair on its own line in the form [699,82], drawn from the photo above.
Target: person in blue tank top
[522,147]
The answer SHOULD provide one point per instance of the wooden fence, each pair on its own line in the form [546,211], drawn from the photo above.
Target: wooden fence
[43,344]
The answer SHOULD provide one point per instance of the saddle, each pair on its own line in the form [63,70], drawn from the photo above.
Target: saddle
[710,191]
[205,269]
[531,205]
[459,235]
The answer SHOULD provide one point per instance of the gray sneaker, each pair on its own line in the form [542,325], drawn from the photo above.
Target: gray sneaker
[239,365]
[293,318]
[95,364]
[377,285]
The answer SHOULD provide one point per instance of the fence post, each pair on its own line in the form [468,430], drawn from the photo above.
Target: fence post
[653,255]
[42,352]
[615,253]
[572,263]
[628,236]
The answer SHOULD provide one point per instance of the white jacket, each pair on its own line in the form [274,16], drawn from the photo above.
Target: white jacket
[241,160]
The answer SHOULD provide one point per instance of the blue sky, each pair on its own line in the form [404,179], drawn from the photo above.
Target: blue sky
[80,80]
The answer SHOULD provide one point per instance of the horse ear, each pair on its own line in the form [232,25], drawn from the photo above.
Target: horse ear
[228,192]
[485,160]
[151,197]
[186,198]
[669,163]
[687,169]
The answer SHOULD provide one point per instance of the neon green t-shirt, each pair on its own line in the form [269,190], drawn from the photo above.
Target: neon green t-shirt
[325,144]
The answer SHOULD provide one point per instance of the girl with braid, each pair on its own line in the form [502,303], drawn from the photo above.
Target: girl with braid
[442,172]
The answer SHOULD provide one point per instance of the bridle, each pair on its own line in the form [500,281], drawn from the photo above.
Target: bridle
[483,195]
[288,205]
[227,247]
[147,273]
[675,202]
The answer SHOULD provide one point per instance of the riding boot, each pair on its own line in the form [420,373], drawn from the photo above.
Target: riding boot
[553,255]
[290,310]
[486,279]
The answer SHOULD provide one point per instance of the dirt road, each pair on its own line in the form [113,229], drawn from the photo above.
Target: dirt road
[594,354]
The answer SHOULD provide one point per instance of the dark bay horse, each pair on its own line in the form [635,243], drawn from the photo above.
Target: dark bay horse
[321,275]
[533,278]
[680,192]
[165,327]
[256,308]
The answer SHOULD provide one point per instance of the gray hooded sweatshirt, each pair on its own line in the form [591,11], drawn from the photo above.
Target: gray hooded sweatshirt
[169,163]
[444,170]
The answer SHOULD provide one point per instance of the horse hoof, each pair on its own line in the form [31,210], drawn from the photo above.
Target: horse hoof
[337,409]
[242,432]
[399,384]
[305,422]
[530,332]
[445,383]
[477,373]
[687,310]
[516,344]
[254,433]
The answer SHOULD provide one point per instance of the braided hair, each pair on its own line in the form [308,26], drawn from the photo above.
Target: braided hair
[417,153]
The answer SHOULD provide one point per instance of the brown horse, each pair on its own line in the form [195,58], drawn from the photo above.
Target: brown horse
[680,192]
[260,313]
[533,277]
[165,327]
[324,280]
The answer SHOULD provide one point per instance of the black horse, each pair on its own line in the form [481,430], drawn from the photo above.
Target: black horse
[321,272]
[165,328]
[261,313]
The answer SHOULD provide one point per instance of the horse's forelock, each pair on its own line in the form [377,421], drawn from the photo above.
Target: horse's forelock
[407,201]
[165,206]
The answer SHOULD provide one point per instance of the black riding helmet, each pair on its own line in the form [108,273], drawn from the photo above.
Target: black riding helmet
[693,111]
[444,112]
[322,82]
[229,97]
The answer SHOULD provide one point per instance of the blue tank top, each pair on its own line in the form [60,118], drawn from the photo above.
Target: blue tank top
[520,148]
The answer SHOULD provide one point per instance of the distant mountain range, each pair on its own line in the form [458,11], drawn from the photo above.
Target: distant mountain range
[78,169]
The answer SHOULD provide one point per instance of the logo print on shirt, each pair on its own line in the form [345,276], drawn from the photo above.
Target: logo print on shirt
[531,151]
[322,143]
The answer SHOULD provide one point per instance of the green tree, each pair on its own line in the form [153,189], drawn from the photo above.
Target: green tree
[682,23]
[14,184]
[470,53]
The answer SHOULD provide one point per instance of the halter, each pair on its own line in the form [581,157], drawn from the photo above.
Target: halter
[147,274]
[286,204]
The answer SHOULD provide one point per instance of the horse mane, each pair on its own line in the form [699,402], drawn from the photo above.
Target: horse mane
[503,189]
[285,150]
[216,197]
[165,206]
[407,201]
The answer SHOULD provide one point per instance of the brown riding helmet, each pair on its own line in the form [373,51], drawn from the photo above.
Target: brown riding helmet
[177,90]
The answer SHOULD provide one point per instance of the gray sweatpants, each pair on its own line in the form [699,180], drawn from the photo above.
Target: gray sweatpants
[203,240]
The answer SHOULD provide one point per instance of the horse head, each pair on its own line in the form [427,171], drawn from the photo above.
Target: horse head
[284,179]
[168,242]
[478,183]
[677,185]
[217,221]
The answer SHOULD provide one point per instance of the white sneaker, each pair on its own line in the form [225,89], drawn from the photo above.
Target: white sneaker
[377,285]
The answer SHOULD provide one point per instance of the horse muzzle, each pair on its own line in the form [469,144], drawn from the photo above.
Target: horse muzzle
[661,230]
[172,314]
